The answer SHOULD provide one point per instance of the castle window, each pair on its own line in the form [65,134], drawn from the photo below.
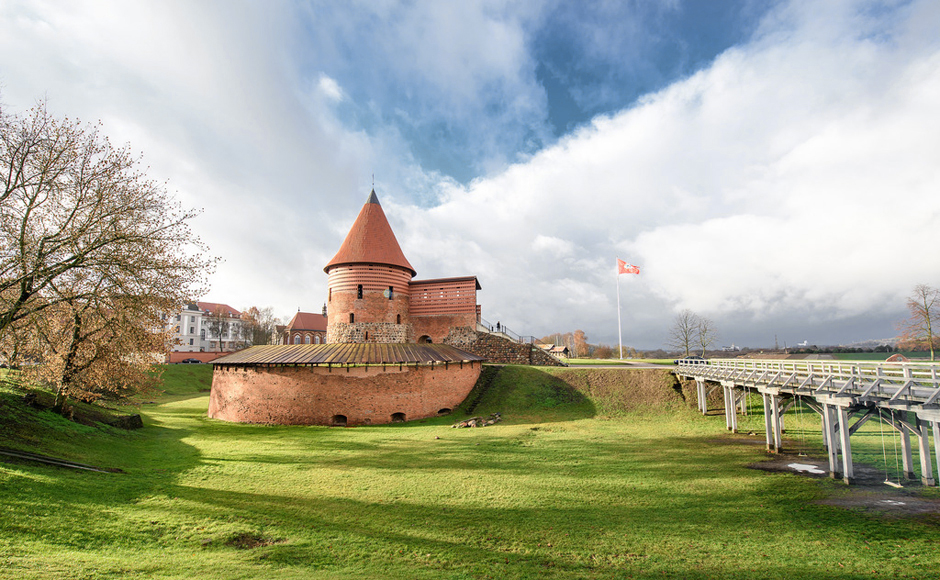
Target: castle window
[316,339]
[390,290]
[352,318]
[367,335]
[359,291]
[398,319]
[296,339]
[307,339]
[330,298]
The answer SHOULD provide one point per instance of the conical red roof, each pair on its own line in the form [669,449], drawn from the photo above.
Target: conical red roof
[370,241]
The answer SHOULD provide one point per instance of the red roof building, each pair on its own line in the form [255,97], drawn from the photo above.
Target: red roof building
[305,328]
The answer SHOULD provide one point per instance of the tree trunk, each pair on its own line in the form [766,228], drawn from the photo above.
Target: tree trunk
[68,367]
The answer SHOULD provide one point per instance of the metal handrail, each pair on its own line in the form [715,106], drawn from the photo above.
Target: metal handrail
[503,329]
[863,378]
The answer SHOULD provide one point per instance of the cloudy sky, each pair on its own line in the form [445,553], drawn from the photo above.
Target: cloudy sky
[774,166]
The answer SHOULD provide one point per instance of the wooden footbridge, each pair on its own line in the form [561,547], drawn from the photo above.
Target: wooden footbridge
[905,397]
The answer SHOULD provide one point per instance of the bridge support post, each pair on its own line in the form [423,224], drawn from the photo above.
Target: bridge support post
[731,416]
[777,423]
[936,444]
[768,421]
[702,396]
[923,444]
[907,457]
[832,444]
[772,413]
[848,472]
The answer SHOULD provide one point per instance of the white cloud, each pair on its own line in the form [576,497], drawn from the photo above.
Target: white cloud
[795,174]
[330,89]
[790,185]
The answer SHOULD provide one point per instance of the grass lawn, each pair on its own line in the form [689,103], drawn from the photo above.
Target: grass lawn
[881,356]
[555,491]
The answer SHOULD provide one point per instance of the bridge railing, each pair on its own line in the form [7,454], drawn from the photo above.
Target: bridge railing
[911,381]
[485,325]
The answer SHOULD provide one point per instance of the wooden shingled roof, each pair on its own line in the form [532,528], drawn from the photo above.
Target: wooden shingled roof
[344,353]
[370,241]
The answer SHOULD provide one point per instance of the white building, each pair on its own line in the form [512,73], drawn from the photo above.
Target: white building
[194,328]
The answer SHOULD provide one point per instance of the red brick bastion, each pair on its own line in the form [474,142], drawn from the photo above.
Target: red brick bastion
[341,384]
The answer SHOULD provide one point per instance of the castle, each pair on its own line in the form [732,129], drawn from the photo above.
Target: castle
[373,299]
[389,353]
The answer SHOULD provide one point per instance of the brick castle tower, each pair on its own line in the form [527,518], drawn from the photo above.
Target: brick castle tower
[369,281]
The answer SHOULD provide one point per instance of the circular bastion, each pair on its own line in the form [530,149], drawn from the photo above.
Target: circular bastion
[341,384]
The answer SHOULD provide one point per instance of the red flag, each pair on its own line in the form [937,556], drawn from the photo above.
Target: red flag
[625,268]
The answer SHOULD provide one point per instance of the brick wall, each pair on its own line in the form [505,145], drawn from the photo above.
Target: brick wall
[499,350]
[314,395]
[378,307]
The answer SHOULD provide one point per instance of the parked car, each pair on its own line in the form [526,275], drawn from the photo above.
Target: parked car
[690,360]
[191,361]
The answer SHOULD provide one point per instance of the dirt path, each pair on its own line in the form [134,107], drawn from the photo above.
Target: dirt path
[868,492]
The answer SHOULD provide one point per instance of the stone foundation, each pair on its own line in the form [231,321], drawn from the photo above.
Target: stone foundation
[499,350]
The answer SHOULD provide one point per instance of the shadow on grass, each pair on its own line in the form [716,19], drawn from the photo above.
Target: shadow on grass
[682,507]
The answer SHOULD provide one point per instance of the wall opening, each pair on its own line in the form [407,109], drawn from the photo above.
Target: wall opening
[352,317]
[398,319]
[424,340]
[338,421]
[398,417]
[444,411]
[390,290]
[359,291]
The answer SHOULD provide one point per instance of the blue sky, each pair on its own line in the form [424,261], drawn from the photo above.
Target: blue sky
[770,165]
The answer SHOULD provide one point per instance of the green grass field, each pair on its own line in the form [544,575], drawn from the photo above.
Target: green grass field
[919,356]
[558,490]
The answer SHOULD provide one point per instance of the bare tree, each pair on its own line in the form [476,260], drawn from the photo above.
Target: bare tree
[91,252]
[218,323]
[98,346]
[706,334]
[74,208]
[684,331]
[924,306]
[258,325]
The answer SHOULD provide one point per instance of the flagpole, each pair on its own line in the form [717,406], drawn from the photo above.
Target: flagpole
[619,330]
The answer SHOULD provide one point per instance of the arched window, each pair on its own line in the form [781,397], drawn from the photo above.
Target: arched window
[398,417]
[296,339]
[316,339]
[352,318]
[398,319]
[306,339]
